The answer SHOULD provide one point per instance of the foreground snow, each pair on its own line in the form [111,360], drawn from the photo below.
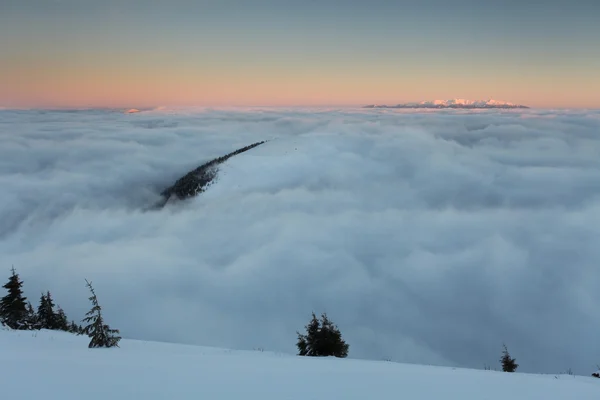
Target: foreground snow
[58,365]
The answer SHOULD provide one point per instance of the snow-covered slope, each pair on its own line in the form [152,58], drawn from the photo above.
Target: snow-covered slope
[454,103]
[58,365]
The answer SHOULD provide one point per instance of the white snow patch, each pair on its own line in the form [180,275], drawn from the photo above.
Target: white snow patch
[58,365]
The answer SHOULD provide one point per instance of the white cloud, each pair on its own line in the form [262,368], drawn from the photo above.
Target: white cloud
[427,237]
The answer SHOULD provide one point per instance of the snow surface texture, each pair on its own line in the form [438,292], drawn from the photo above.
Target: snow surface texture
[428,237]
[62,367]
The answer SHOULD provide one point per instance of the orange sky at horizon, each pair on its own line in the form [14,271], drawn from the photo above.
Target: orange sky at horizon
[75,54]
[62,85]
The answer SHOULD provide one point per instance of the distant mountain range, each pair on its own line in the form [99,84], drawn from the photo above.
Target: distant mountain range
[454,103]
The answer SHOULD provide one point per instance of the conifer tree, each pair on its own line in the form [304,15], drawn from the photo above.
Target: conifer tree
[43,312]
[32,317]
[101,335]
[322,339]
[306,343]
[509,364]
[47,318]
[333,344]
[13,308]
[61,320]
[74,328]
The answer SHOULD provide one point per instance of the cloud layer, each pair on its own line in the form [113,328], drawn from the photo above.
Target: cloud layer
[427,237]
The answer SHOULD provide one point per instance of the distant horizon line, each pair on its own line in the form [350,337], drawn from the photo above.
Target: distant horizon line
[124,109]
[158,108]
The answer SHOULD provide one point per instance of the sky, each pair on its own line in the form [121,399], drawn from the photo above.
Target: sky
[133,53]
[427,237]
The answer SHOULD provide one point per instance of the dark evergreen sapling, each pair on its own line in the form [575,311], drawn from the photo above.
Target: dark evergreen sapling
[322,339]
[13,308]
[101,335]
[509,364]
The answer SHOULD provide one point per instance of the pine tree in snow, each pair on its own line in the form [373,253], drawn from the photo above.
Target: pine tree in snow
[101,335]
[306,343]
[61,319]
[13,308]
[47,317]
[74,328]
[322,339]
[32,316]
[509,364]
[331,337]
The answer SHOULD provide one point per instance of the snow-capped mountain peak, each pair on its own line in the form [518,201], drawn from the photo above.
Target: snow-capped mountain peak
[455,103]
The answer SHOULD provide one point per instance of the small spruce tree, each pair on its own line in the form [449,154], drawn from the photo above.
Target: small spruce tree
[62,321]
[74,328]
[101,335]
[42,312]
[13,308]
[47,318]
[509,364]
[322,339]
[32,317]
[307,343]
[332,338]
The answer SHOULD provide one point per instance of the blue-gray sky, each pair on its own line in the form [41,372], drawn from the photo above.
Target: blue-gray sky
[265,52]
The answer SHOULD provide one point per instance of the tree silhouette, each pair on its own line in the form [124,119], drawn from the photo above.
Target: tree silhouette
[62,321]
[46,317]
[74,328]
[509,364]
[13,308]
[32,318]
[322,339]
[101,335]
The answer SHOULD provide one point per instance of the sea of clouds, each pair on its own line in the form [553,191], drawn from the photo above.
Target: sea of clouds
[428,237]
